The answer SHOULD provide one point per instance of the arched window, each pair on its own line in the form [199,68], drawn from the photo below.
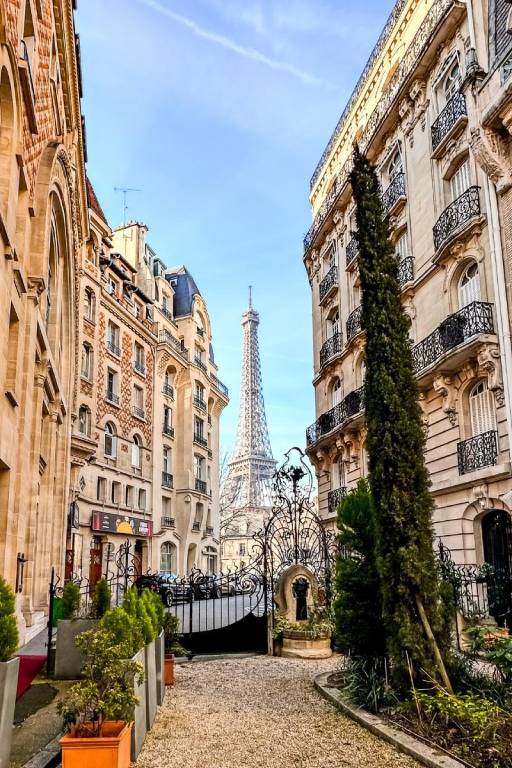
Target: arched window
[395,165]
[481,409]
[210,556]
[338,474]
[84,420]
[168,557]
[336,392]
[469,285]
[136,451]
[453,81]
[89,304]
[333,324]
[87,361]
[110,441]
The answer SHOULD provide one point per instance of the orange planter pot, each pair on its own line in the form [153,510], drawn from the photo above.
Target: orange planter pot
[110,750]
[169,670]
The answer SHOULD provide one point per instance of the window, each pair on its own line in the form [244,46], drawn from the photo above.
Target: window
[84,420]
[89,304]
[136,451]
[339,473]
[241,549]
[198,427]
[481,409]
[138,357]
[166,506]
[110,448]
[115,492]
[113,338]
[112,286]
[28,46]
[129,496]
[87,362]
[402,247]
[460,181]
[101,489]
[337,392]
[112,382]
[395,165]
[199,465]
[138,400]
[168,557]
[166,458]
[142,499]
[469,285]
[333,324]
[453,81]
[12,351]
[137,309]
[210,555]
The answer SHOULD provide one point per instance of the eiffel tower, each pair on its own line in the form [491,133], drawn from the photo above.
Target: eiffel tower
[246,494]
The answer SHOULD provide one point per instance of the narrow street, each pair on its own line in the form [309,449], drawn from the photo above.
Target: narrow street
[258,712]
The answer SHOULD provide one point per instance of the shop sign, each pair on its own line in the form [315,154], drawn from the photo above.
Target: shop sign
[107,522]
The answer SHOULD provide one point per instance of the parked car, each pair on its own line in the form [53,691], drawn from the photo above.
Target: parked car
[169,586]
[206,586]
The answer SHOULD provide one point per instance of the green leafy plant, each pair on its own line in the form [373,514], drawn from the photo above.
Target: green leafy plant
[317,625]
[107,691]
[500,654]
[417,628]
[357,604]
[472,715]
[136,607]
[70,603]
[125,630]
[102,598]
[366,683]
[171,625]
[154,608]
[9,637]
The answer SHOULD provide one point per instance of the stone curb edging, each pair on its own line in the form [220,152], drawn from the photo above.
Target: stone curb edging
[47,757]
[379,727]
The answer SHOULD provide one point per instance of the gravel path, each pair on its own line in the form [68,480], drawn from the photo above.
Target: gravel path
[258,712]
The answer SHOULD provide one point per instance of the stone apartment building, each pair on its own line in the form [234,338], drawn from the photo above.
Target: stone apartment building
[43,225]
[432,111]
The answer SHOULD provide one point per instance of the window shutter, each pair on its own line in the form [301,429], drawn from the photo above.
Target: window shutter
[483,416]
[460,180]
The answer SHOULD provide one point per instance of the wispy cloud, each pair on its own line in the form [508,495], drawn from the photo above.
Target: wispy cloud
[229,44]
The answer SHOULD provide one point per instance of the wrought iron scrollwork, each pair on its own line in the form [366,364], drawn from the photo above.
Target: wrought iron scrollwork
[454,111]
[354,323]
[332,346]
[463,209]
[406,270]
[334,497]
[476,452]
[329,281]
[349,407]
[351,252]
[394,192]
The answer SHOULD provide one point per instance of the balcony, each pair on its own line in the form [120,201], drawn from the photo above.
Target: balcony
[200,440]
[328,283]
[196,525]
[333,346]
[168,522]
[137,365]
[352,405]
[168,391]
[167,314]
[456,217]
[164,337]
[334,498]
[168,430]
[354,323]
[406,271]
[113,348]
[453,117]
[200,364]
[217,383]
[112,397]
[473,320]
[200,403]
[200,485]
[167,480]
[351,252]
[138,412]
[210,453]
[477,452]
[395,195]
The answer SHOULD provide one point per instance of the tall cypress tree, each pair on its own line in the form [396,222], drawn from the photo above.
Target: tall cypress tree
[399,481]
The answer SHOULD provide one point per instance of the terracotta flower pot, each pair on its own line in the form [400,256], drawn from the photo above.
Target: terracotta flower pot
[169,669]
[110,750]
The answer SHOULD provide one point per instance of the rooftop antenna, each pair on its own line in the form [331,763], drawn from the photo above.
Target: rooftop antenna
[125,191]
[250,297]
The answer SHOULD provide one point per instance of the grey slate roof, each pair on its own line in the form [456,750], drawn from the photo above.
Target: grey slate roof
[185,289]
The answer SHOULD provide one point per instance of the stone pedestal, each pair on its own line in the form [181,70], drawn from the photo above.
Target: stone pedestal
[299,646]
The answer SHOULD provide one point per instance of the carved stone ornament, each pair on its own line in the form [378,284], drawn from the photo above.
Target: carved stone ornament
[481,496]
[424,414]
[444,386]
[491,151]
[489,361]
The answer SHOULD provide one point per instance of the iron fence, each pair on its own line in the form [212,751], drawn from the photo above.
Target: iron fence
[354,322]
[329,281]
[476,452]
[394,192]
[464,208]
[454,111]
[332,346]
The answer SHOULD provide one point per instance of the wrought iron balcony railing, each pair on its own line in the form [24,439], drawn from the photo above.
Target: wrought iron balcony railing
[354,323]
[167,480]
[112,397]
[351,252]
[217,383]
[168,430]
[406,270]
[329,281]
[112,347]
[139,367]
[200,485]
[454,111]
[168,391]
[200,403]
[477,452]
[200,440]
[168,522]
[167,338]
[463,209]
[200,364]
[394,192]
[334,498]
[469,321]
[333,346]
[209,530]
[352,404]
[138,412]
[167,314]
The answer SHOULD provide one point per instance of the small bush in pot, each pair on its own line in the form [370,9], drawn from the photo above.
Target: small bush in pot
[125,630]
[135,607]
[9,637]
[70,603]
[102,599]
[9,665]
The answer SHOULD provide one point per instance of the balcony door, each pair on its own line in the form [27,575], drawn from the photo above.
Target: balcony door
[469,286]
[497,543]
[460,181]
[481,409]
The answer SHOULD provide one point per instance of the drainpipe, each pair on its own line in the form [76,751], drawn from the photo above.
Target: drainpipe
[471,24]
[502,313]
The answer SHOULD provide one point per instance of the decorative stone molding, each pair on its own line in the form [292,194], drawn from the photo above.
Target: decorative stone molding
[481,496]
[445,386]
[491,151]
[489,361]
[422,399]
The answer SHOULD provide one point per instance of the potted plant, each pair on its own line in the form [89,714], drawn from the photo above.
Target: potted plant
[97,711]
[308,639]
[9,666]
[68,657]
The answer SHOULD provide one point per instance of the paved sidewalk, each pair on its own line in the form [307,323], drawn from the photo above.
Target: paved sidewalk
[258,712]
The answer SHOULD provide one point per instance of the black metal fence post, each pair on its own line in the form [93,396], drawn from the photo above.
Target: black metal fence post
[51,597]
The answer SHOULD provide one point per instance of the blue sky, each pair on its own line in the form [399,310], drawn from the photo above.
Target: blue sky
[218,110]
